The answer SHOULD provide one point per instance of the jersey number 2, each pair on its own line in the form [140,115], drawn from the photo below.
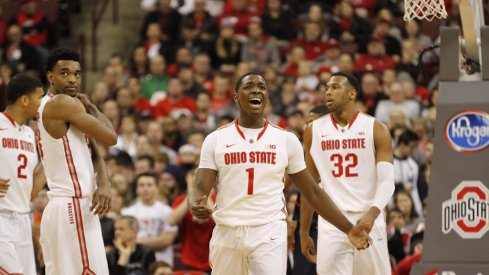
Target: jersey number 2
[251,179]
[344,165]
[23,164]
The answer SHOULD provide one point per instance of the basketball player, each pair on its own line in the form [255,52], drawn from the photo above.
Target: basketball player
[18,158]
[249,157]
[351,154]
[69,125]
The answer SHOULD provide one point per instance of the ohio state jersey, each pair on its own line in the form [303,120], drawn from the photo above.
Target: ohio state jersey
[18,159]
[67,160]
[251,164]
[345,160]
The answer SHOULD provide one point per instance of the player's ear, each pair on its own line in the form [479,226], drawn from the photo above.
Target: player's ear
[49,76]
[235,96]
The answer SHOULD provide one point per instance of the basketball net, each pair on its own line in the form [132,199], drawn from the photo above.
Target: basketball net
[424,9]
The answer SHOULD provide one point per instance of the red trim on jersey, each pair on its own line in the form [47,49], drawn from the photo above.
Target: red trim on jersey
[259,134]
[353,120]
[81,238]
[239,130]
[332,120]
[71,167]
[9,118]
[349,124]
[263,131]
[4,272]
[278,127]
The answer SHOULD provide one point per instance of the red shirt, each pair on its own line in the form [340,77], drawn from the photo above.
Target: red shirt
[142,105]
[196,235]
[164,107]
[313,49]
[404,266]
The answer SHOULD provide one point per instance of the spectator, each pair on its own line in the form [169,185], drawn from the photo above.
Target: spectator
[405,167]
[239,15]
[168,19]
[183,58]
[260,50]
[371,94]
[187,77]
[205,24]
[195,233]
[170,182]
[126,141]
[160,268]
[129,257]
[156,82]
[144,165]
[141,104]
[375,60]
[395,234]
[155,135]
[152,216]
[18,54]
[413,222]
[175,99]
[204,119]
[404,267]
[138,63]
[226,49]
[203,70]
[351,28]
[397,98]
[312,41]
[125,101]
[277,21]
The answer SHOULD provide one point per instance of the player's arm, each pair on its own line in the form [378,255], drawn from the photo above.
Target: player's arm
[318,199]
[102,196]
[204,179]
[39,180]
[306,211]
[69,109]
[94,111]
[161,241]
[178,213]
[385,173]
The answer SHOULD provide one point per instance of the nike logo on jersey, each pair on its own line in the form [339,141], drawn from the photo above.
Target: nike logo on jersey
[230,145]
[1,129]
[323,136]
[274,238]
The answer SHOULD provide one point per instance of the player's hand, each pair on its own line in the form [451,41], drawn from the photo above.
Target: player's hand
[307,248]
[101,200]
[359,237]
[4,185]
[86,102]
[200,209]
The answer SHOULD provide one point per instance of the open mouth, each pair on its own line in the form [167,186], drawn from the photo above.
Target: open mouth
[255,102]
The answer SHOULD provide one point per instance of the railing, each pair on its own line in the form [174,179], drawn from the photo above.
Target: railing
[98,10]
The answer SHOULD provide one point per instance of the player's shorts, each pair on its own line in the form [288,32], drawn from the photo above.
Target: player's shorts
[71,238]
[250,250]
[16,249]
[336,255]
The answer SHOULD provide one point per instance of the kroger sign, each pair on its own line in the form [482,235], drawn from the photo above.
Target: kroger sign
[468,131]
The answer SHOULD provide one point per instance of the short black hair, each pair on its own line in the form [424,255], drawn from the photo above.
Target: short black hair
[321,110]
[240,80]
[351,79]
[20,85]
[155,265]
[61,54]
[148,174]
[407,137]
[149,158]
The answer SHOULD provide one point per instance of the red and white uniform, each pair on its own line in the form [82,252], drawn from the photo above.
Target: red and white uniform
[345,160]
[250,233]
[18,159]
[71,237]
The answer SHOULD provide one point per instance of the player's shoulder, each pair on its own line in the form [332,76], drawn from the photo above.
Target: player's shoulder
[225,126]
[62,101]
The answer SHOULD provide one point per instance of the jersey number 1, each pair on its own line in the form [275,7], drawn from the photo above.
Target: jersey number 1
[344,165]
[251,179]
[23,164]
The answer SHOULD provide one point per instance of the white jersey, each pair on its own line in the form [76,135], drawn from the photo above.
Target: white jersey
[18,159]
[250,164]
[67,160]
[153,220]
[345,160]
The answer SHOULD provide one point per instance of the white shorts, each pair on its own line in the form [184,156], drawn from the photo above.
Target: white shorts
[335,254]
[16,249]
[254,250]
[71,238]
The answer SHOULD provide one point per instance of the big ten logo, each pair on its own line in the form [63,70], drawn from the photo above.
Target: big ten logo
[271,146]
[467,212]
[468,131]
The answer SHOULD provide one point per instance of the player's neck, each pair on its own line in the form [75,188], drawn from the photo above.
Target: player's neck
[251,122]
[344,117]
[148,202]
[15,114]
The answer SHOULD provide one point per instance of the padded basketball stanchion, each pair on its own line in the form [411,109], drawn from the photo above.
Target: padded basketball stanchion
[456,239]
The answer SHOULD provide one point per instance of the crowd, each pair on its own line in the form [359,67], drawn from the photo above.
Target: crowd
[176,85]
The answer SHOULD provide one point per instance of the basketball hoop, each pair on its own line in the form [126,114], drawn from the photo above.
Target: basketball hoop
[424,9]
